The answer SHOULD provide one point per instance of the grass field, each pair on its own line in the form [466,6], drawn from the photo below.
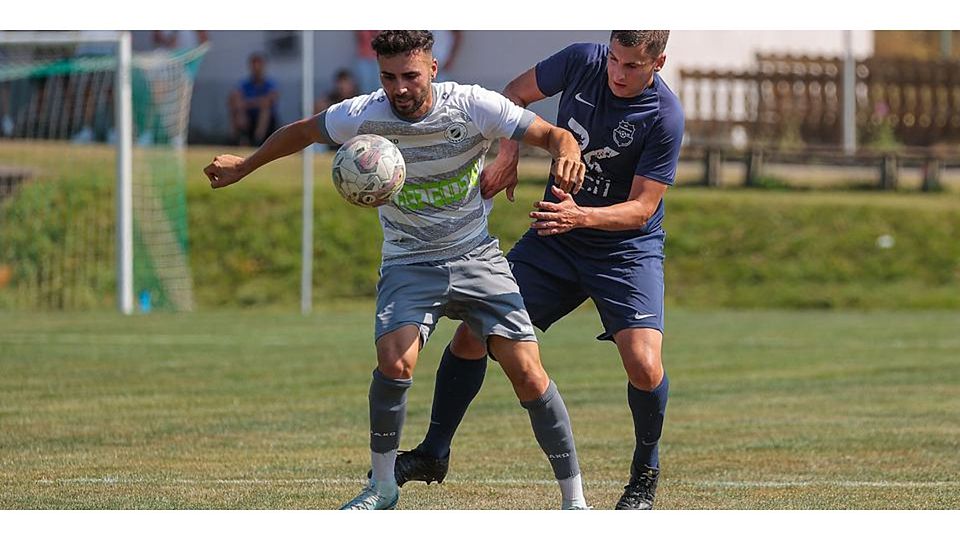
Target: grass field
[264,409]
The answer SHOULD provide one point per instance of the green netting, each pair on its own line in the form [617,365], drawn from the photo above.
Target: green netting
[58,178]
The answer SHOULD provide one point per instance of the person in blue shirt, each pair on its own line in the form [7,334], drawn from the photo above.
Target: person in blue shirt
[604,243]
[253,105]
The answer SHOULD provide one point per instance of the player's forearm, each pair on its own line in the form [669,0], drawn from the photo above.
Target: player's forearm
[617,217]
[509,150]
[561,143]
[287,140]
[514,91]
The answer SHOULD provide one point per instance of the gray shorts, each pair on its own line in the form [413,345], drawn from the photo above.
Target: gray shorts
[477,288]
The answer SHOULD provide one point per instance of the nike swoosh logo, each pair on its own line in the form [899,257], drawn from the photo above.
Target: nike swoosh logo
[581,100]
[639,317]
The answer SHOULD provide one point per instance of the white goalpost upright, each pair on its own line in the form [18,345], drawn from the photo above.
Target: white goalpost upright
[123,106]
[306,275]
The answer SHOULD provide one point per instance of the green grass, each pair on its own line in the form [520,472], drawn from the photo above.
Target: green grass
[263,409]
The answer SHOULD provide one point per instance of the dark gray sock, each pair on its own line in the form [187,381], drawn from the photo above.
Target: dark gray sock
[551,426]
[388,407]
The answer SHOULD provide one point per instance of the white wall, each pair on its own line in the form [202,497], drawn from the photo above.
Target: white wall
[728,49]
[490,58]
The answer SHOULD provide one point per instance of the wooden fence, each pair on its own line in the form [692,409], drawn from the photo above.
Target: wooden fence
[796,101]
[888,164]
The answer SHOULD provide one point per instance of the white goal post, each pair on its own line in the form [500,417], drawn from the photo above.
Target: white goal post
[123,103]
[306,272]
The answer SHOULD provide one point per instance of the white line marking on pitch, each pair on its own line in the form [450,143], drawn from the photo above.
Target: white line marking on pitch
[108,480]
[124,340]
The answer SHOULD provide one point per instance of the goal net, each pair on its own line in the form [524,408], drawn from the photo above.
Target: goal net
[60,144]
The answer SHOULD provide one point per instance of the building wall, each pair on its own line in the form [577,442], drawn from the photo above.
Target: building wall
[489,58]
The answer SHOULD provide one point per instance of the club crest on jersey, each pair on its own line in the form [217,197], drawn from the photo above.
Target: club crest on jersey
[456,132]
[623,135]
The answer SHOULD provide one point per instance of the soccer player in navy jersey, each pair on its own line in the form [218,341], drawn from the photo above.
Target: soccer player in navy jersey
[604,242]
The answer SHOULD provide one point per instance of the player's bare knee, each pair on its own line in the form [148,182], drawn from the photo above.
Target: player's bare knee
[530,386]
[644,368]
[645,382]
[520,360]
[529,381]
[466,345]
[396,368]
[644,371]
[397,352]
[640,351]
[393,362]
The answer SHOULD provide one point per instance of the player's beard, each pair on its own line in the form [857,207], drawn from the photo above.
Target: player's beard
[409,106]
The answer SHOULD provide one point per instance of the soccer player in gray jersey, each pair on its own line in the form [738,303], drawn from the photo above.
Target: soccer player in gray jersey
[438,258]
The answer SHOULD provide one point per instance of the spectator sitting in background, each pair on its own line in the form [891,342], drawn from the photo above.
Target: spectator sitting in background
[344,87]
[253,105]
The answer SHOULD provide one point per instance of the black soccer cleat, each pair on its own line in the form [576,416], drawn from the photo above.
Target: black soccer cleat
[415,465]
[639,493]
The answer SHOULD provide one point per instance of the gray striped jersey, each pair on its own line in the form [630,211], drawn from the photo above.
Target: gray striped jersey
[439,214]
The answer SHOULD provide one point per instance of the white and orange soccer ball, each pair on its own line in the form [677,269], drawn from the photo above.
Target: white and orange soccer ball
[368,170]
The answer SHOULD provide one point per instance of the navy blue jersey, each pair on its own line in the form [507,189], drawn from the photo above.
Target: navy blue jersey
[619,137]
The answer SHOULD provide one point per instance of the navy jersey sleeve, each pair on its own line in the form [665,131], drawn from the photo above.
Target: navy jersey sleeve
[556,72]
[662,149]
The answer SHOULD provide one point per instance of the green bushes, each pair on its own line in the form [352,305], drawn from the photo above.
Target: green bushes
[813,250]
[725,248]
[730,249]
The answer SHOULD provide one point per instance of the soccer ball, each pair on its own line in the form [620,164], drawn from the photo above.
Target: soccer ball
[368,170]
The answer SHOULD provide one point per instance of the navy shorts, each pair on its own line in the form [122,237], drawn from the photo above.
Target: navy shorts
[626,285]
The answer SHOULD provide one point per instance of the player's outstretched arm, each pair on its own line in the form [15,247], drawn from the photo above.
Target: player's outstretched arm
[502,172]
[567,168]
[228,169]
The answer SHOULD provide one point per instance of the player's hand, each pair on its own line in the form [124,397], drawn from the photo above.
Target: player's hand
[499,175]
[559,217]
[568,173]
[224,170]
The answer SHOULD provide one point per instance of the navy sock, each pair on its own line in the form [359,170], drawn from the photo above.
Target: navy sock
[458,382]
[648,410]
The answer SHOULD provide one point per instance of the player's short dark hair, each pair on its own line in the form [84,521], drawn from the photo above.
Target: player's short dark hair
[394,42]
[654,42]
